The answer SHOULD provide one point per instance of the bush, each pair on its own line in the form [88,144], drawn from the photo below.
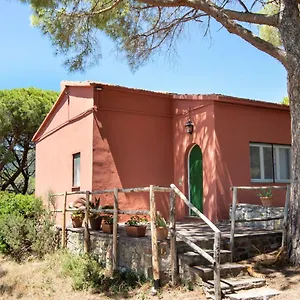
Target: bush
[25,226]
[87,273]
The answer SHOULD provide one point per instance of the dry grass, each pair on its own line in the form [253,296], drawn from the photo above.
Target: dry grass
[37,280]
[43,279]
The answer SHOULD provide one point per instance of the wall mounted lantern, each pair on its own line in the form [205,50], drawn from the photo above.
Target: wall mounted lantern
[189,127]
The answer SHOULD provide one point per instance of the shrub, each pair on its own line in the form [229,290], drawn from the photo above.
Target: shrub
[25,226]
[87,273]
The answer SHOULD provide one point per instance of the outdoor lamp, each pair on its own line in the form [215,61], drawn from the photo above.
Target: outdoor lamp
[189,127]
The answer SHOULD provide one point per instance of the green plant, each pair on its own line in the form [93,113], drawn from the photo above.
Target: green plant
[137,221]
[81,202]
[77,213]
[265,193]
[108,219]
[26,228]
[87,273]
[160,220]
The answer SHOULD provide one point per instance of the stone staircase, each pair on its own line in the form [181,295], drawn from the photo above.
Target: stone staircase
[236,283]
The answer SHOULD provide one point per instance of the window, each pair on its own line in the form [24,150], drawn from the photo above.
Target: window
[76,170]
[270,163]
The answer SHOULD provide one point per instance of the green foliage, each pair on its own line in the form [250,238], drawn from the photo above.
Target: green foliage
[21,113]
[137,221]
[265,193]
[25,205]
[285,101]
[160,220]
[268,33]
[25,227]
[87,273]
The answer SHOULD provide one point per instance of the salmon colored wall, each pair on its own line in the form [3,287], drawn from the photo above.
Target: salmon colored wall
[236,126]
[57,144]
[202,115]
[132,145]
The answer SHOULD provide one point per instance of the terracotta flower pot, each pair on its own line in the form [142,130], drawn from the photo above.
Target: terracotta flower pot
[77,221]
[135,231]
[266,201]
[107,228]
[95,222]
[162,233]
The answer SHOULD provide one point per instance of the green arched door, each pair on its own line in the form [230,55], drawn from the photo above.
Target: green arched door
[196,177]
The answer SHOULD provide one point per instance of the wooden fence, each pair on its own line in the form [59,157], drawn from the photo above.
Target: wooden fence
[173,191]
[233,212]
[116,211]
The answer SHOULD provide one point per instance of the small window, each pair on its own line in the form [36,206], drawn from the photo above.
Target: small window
[76,170]
[270,163]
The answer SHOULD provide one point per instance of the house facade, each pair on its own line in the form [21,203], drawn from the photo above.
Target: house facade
[99,136]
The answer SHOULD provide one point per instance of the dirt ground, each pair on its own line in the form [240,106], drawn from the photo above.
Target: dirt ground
[37,280]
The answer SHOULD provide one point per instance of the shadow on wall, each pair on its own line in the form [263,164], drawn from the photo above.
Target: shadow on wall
[203,136]
[133,149]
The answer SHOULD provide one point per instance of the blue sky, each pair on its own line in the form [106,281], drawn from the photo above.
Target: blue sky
[224,64]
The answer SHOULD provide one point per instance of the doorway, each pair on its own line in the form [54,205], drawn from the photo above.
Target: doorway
[195,178]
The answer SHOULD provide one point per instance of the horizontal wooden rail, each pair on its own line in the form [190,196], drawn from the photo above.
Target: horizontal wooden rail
[194,209]
[194,246]
[278,187]
[111,191]
[108,211]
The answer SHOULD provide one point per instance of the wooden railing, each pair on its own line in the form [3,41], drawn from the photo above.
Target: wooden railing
[233,212]
[215,260]
[173,190]
[116,211]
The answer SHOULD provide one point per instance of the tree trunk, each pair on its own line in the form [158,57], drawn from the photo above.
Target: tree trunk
[290,35]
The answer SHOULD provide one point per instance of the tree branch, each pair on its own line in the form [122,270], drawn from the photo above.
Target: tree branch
[223,17]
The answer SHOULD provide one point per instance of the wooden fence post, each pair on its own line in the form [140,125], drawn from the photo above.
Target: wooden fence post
[233,213]
[217,267]
[115,230]
[173,250]
[155,262]
[86,223]
[63,229]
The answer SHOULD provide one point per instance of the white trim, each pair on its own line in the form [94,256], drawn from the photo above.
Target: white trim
[275,161]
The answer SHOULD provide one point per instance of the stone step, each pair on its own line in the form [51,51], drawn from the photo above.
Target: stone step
[205,273]
[182,247]
[254,294]
[234,284]
[192,258]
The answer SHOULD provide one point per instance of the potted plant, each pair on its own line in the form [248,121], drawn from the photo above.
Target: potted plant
[136,226]
[265,197]
[107,224]
[77,218]
[161,227]
[94,218]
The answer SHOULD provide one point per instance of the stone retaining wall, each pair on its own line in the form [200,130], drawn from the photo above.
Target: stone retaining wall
[133,253]
[136,253]
[251,211]
[249,246]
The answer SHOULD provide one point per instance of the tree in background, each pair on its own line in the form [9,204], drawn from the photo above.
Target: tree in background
[21,113]
[143,27]
[285,101]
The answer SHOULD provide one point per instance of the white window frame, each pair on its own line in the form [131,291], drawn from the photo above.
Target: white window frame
[74,156]
[261,162]
[275,161]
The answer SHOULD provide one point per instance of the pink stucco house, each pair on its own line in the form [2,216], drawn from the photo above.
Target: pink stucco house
[101,136]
